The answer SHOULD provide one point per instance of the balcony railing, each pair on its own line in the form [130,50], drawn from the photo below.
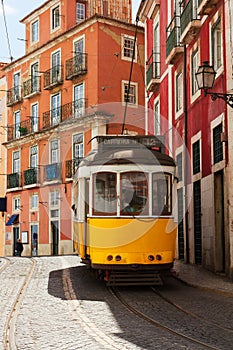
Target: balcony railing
[72,166]
[206,6]
[14,96]
[153,71]
[190,22]
[31,87]
[53,77]
[18,130]
[174,49]
[52,172]
[75,109]
[76,66]
[13,180]
[31,176]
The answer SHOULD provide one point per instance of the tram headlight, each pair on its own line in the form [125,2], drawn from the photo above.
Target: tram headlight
[118,258]
[158,257]
[151,257]
[109,257]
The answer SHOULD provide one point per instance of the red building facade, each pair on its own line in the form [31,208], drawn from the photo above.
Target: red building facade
[179,37]
[70,86]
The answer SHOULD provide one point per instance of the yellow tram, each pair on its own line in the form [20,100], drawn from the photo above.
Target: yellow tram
[124,218]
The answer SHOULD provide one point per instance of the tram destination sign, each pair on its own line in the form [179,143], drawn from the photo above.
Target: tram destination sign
[112,141]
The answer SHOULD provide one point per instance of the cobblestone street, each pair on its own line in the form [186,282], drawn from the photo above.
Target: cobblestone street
[55,303]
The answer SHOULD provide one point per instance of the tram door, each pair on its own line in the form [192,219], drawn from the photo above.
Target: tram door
[87,182]
[219,221]
[15,238]
[55,236]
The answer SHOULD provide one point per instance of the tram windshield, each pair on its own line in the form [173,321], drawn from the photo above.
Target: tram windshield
[105,194]
[128,193]
[134,193]
[161,194]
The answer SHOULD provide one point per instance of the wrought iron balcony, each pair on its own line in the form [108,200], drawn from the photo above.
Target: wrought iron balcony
[153,71]
[75,109]
[76,66]
[14,96]
[31,176]
[52,172]
[72,166]
[174,49]
[190,22]
[31,87]
[13,180]
[53,77]
[206,6]
[18,130]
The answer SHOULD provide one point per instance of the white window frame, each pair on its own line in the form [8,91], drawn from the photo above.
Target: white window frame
[34,201]
[54,199]
[55,26]
[81,11]
[157,119]
[54,152]
[16,204]
[35,34]
[125,84]
[16,162]
[179,93]
[125,37]
[215,48]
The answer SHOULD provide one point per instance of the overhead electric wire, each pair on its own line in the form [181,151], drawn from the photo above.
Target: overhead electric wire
[7,35]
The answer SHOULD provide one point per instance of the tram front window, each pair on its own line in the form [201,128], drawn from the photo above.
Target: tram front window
[105,202]
[134,193]
[161,192]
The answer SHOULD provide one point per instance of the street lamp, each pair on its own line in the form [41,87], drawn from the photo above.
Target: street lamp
[205,77]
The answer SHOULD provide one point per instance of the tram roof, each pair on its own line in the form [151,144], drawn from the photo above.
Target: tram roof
[128,150]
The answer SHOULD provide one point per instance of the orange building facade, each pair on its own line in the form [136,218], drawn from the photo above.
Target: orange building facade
[71,85]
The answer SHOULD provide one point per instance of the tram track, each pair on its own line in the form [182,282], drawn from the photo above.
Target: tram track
[9,339]
[189,313]
[6,262]
[156,323]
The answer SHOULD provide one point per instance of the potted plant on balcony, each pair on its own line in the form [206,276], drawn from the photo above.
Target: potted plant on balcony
[23,130]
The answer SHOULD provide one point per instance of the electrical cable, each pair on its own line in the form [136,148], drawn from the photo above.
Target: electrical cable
[7,34]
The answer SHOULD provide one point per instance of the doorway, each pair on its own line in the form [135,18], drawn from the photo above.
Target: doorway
[15,238]
[219,222]
[55,236]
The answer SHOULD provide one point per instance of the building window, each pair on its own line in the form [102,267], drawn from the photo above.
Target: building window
[54,152]
[1,104]
[218,146]
[35,77]
[80,11]
[179,91]
[196,157]
[157,118]
[35,31]
[78,146]
[216,37]
[34,117]
[17,124]
[55,17]
[17,91]
[195,65]
[54,198]
[128,46]
[16,162]
[79,101]
[34,201]
[34,157]
[179,162]
[16,204]
[55,109]
[130,93]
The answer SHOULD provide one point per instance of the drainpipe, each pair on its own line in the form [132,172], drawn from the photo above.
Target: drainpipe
[186,162]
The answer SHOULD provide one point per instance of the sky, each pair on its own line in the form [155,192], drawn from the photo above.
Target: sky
[15,10]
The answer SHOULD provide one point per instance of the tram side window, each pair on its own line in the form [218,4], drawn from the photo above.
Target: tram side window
[134,193]
[105,199]
[161,194]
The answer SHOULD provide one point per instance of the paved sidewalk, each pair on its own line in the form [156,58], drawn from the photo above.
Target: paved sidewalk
[197,276]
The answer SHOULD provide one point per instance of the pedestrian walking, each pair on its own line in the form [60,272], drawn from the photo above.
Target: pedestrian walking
[19,247]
